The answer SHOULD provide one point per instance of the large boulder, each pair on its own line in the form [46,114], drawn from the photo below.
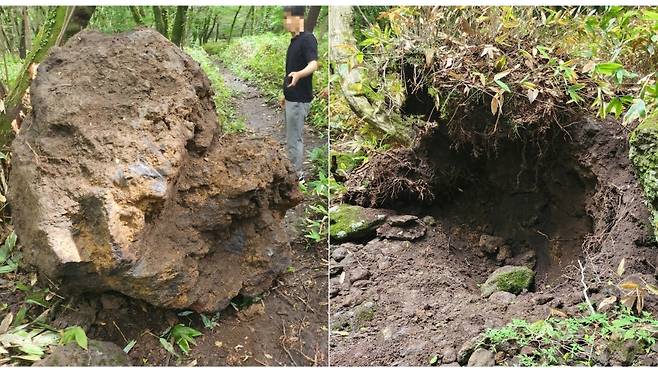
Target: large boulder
[122,180]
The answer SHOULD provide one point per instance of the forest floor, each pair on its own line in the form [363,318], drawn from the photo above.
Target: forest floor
[417,302]
[286,326]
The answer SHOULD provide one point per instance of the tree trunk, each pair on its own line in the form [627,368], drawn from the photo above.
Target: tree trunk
[178,32]
[251,10]
[27,32]
[251,27]
[351,76]
[235,17]
[160,23]
[79,20]
[312,18]
[206,37]
[137,17]
[50,32]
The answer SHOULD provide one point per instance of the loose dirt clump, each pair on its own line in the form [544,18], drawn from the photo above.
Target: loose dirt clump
[547,203]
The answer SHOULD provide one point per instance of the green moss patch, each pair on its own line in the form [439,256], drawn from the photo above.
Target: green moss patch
[644,155]
[512,279]
[353,223]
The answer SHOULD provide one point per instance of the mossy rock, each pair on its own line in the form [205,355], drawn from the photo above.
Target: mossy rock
[512,279]
[99,353]
[354,223]
[643,153]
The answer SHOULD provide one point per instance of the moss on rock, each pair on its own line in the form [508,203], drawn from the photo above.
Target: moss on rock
[643,153]
[512,279]
[353,223]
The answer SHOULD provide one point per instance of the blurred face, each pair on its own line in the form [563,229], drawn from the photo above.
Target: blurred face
[292,23]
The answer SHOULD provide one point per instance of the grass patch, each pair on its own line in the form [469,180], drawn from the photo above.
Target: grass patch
[226,114]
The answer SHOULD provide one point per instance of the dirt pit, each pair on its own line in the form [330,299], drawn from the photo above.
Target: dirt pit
[570,196]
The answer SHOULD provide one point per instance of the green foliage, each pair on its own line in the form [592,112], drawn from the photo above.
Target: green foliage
[181,335]
[11,68]
[9,259]
[643,152]
[226,114]
[573,341]
[318,189]
[528,64]
[74,333]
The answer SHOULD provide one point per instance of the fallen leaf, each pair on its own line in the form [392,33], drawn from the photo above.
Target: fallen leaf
[629,285]
[532,95]
[588,66]
[557,312]
[607,302]
[4,325]
[622,267]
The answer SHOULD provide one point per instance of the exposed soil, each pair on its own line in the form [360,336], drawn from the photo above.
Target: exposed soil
[571,196]
[287,325]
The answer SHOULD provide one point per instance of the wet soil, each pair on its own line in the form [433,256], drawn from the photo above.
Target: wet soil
[574,199]
[286,326]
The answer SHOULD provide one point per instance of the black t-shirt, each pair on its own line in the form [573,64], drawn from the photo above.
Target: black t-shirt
[302,50]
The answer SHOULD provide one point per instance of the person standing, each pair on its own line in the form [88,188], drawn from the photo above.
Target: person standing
[301,62]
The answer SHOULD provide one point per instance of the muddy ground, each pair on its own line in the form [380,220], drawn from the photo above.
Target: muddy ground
[572,198]
[287,326]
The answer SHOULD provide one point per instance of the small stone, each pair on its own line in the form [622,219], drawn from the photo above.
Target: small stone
[339,253]
[335,270]
[359,274]
[449,355]
[361,283]
[98,354]
[452,364]
[502,298]
[334,290]
[401,220]
[429,220]
[482,357]
[542,299]
[466,350]
[527,350]
[504,253]
[490,244]
[383,264]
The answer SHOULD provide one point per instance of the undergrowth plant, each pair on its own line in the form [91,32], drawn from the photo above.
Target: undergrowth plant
[574,340]
[226,114]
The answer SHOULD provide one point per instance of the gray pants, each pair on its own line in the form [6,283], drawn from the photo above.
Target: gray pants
[295,115]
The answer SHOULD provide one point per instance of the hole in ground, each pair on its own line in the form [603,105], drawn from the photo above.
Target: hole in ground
[531,193]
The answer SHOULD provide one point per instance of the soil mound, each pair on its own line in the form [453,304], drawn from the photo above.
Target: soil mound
[122,179]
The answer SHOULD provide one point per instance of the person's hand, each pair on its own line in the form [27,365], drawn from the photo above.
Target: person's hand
[294,77]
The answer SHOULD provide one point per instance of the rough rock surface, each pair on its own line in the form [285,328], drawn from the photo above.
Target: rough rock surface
[354,223]
[122,180]
[98,354]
